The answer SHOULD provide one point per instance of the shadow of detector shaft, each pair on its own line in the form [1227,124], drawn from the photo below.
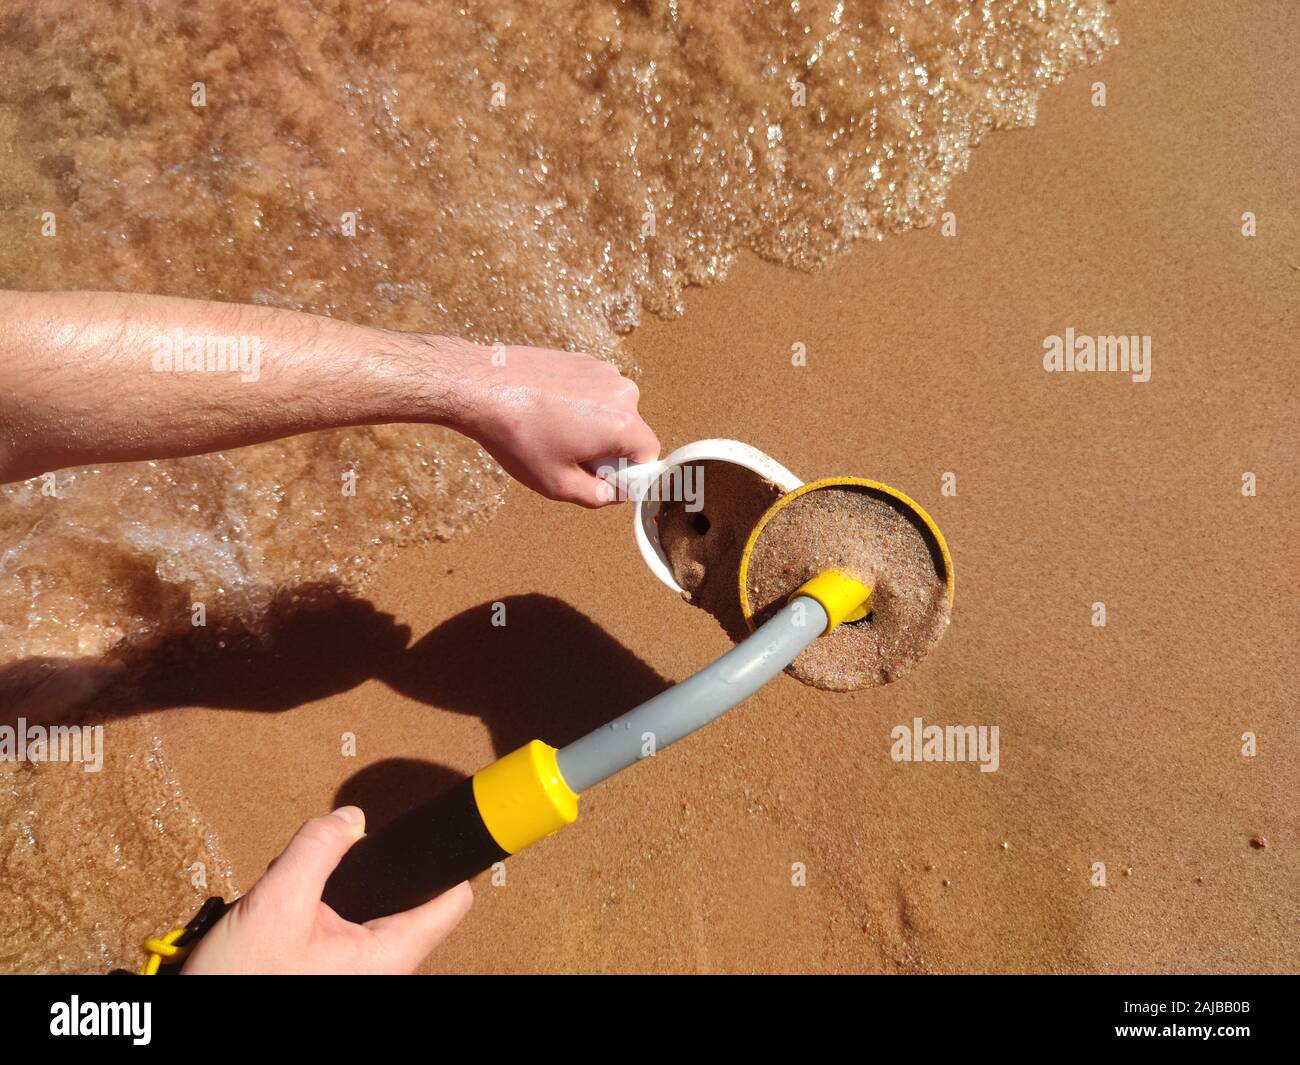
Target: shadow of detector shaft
[438,844]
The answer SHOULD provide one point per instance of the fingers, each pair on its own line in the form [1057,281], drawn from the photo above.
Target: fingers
[585,489]
[633,441]
[640,443]
[410,937]
[622,432]
[298,876]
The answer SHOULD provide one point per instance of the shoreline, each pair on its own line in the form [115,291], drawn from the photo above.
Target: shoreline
[1120,743]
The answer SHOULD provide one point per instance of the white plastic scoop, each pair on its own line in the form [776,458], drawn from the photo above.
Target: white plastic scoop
[639,483]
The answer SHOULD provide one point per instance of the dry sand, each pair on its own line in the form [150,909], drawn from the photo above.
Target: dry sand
[1120,744]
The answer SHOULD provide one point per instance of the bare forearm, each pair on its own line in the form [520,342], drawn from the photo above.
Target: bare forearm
[92,377]
[106,377]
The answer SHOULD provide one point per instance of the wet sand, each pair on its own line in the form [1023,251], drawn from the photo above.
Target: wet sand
[1118,744]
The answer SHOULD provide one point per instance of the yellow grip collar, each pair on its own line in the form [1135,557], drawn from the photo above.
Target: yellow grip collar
[523,797]
[844,598]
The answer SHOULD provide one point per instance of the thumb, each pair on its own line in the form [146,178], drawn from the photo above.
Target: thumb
[411,936]
[299,874]
[582,486]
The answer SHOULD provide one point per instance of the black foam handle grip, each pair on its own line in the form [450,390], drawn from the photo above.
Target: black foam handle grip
[410,860]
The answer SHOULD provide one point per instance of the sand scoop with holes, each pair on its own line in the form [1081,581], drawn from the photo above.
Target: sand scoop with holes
[845,582]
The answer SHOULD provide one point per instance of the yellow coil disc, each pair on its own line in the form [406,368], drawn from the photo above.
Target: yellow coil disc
[840,482]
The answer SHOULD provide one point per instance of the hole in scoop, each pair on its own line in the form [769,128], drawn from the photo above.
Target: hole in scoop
[701,524]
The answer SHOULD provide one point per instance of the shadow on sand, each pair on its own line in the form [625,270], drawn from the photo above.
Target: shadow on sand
[549,673]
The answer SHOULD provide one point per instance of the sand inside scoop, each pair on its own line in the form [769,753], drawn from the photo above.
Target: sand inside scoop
[704,541]
[859,530]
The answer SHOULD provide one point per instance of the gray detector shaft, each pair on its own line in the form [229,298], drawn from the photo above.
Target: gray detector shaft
[697,700]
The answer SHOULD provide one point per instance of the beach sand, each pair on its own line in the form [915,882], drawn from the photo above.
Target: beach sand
[1119,744]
